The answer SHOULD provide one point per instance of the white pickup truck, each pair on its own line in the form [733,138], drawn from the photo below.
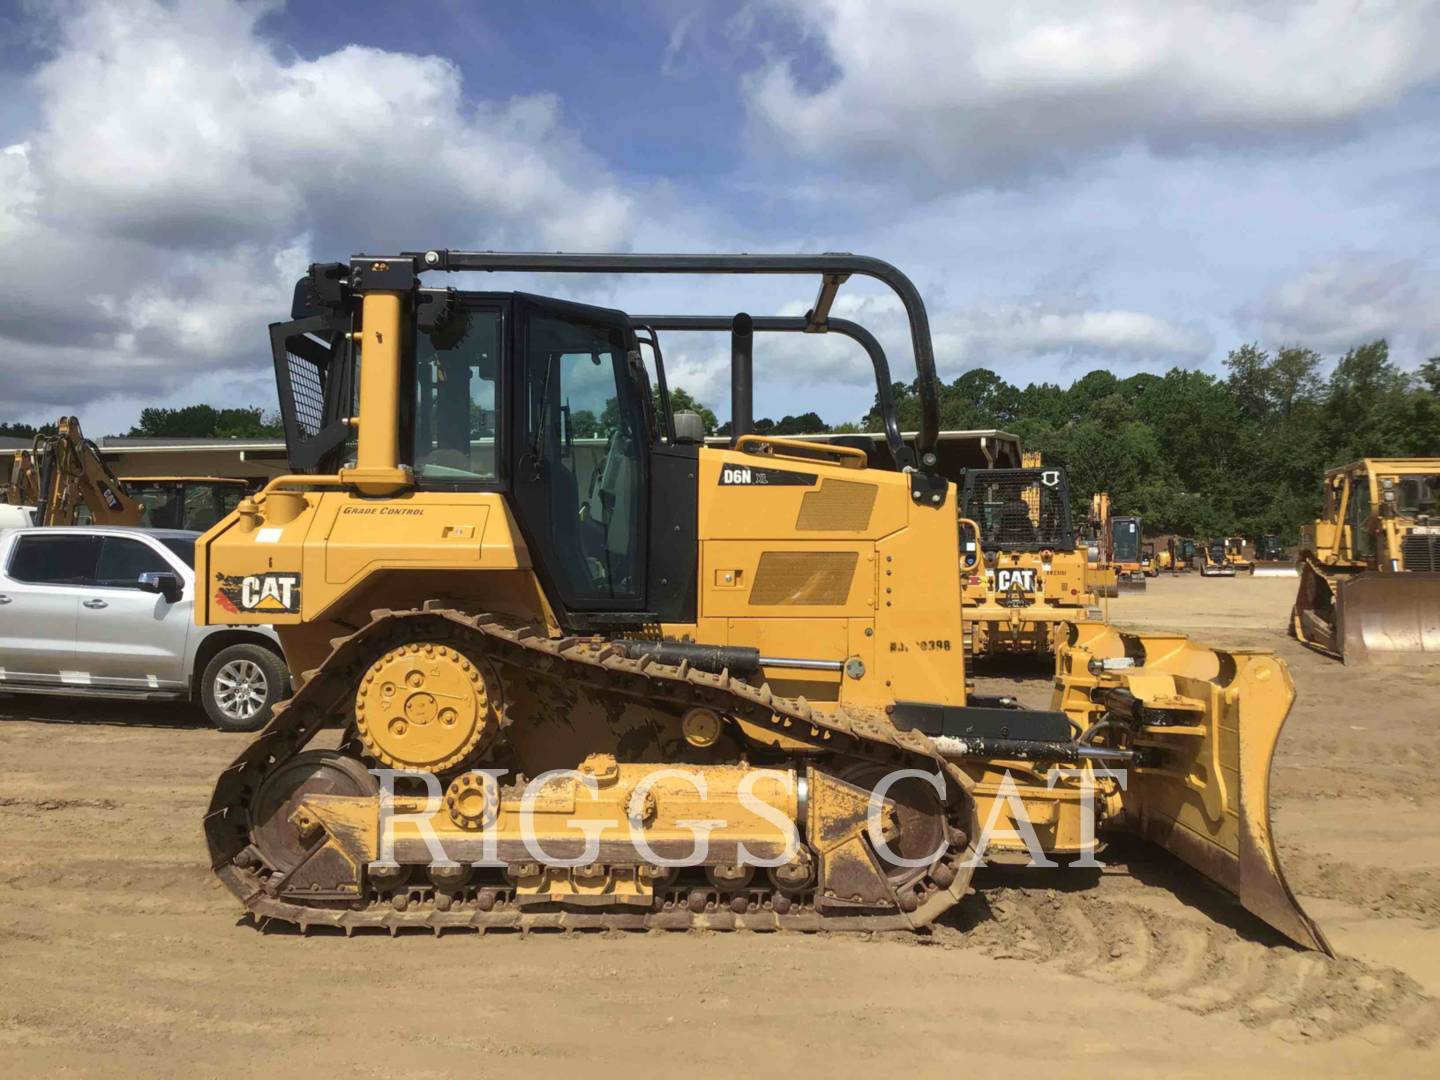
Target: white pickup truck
[108,612]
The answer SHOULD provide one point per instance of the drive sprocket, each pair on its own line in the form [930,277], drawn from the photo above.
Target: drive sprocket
[425,707]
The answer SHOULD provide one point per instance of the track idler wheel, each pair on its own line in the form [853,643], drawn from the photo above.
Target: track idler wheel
[425,707]
[920,825]
[283,842]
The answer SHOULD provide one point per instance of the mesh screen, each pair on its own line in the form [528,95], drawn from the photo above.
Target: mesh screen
[804,577]
[837,506]
[307,389]
[1017,509]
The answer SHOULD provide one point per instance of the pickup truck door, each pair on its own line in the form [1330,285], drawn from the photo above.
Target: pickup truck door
[40,603]
[127,638]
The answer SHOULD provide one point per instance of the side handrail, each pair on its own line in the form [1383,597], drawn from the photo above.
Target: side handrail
[974,564]
[849,456]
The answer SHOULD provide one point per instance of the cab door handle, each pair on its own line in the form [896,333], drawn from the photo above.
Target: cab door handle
[94,603]
[4,599]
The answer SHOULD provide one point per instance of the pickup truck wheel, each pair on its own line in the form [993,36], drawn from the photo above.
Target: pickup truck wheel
[240,687]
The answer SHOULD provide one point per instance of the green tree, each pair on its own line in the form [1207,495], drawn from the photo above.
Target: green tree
[26,431]
[206,422]
[682,401]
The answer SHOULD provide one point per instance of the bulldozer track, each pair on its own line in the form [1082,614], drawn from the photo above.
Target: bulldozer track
[1204,968]
[325,693]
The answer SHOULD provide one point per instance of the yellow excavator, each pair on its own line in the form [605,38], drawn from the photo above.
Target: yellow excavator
[589,673]
[1100,576]
[1370,566]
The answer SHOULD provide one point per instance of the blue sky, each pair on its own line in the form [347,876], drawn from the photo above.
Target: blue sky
[1120,184]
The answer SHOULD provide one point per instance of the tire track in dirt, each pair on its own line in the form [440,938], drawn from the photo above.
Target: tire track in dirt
[1202,967]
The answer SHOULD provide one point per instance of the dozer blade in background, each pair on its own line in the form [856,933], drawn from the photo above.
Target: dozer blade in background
[1206,723]
[1388,618]
[1276,569]
[1128,585]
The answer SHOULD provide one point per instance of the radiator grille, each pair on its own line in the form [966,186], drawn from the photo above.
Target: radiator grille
[808,578]
[837,506]
[1421,554]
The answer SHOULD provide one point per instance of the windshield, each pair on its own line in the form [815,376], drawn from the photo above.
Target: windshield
[182,546]
[184,504]
[1418,495]
[456,369]
[1125,540]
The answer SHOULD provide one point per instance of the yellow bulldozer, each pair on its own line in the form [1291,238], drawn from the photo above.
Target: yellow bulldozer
[1025,575]
[588,673]
[1370,566]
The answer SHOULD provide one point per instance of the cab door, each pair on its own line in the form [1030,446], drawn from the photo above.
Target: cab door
[581,446]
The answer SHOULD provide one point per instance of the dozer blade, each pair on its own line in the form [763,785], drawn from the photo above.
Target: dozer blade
[1388,618]
[1205,724]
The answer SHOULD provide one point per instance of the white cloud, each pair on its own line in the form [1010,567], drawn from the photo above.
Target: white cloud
[996,335]
[1351,298]
[954,93]
[182,170]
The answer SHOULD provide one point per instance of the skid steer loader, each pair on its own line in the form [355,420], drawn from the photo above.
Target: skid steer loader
[1236,557]
[1370,566]
[588,673]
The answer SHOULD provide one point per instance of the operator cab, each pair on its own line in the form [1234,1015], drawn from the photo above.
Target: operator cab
[543,399]
[1019,509]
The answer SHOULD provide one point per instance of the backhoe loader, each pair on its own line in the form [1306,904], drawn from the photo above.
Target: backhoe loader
[1370,566]
[590,674]
[22,487]
[66,478]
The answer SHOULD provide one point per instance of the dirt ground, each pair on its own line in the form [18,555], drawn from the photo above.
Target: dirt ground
[121,955]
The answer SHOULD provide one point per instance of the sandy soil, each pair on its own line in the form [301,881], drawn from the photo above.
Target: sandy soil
[121,955]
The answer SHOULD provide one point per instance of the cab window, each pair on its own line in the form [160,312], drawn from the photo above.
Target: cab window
[455,393]
[1357,514]
[583,442]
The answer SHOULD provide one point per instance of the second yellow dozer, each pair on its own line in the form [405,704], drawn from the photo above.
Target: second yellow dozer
[1024,577]
[558,665]
[1370,566]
